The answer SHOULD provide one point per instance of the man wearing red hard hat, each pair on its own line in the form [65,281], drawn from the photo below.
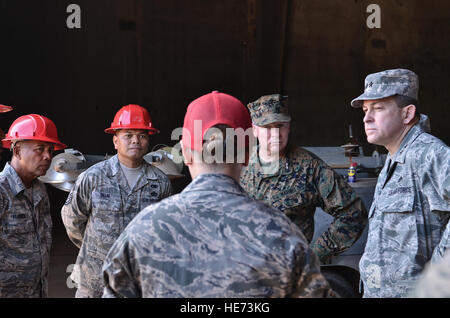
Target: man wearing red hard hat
[108,195]
[212,240]
[25,220]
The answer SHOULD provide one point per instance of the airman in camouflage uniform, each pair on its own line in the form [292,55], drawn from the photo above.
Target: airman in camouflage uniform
[102,203]
[25,237]
[301,182]
[412,197]
[212,240]
[25,220]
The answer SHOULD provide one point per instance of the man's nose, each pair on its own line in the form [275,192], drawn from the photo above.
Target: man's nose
[274,133]
[135,139]
[368,117]
[48,154]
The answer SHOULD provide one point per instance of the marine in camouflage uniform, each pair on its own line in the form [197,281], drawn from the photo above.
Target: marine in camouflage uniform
[97,210]
[212,240]
[25,237]
[300,183]
[411,201]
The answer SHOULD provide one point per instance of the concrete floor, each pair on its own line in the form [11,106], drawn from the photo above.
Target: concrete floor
[63,254]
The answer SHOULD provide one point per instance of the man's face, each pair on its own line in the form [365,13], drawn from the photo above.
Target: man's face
[383,121]
[131,144]
[273,137]
[35,157]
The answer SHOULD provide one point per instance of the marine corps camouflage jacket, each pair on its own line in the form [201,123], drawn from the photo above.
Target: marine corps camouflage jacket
[297,186]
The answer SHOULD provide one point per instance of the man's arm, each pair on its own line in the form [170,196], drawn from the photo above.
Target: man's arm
[75,212]
[167,189]
[310,282]
[118,276]
[444,245]
[434,172]
[350,216]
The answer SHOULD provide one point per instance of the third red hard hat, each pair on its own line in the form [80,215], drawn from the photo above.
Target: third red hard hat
[132,117]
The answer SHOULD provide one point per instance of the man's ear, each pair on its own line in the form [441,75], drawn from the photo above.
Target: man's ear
[409,112]
[16,151]
[115,141]
[187,154]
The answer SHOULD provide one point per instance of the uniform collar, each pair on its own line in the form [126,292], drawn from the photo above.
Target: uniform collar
[113,168]
[421,127]
[16,185]
[284,163]
[215,182]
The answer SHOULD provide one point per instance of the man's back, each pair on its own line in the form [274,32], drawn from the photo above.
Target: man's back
[212,240]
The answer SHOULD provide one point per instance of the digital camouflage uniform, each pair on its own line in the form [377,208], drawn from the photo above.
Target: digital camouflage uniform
[299,183]
[25,237]
[411,202]
[444,245]
[212,240]
[97,210]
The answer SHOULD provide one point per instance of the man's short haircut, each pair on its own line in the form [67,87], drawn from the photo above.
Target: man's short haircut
[403,101]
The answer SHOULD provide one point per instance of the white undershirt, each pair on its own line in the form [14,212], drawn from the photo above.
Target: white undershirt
[131,174]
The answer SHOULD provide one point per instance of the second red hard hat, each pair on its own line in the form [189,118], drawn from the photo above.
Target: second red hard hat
[132,117]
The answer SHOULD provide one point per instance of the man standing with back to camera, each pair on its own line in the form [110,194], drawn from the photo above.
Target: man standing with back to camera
[212,240]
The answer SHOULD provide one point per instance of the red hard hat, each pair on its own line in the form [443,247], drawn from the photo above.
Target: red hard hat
[5,108]
[213,109]
[132,117]
[33,127]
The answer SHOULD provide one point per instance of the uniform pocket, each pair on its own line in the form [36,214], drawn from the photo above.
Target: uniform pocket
[396,202]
